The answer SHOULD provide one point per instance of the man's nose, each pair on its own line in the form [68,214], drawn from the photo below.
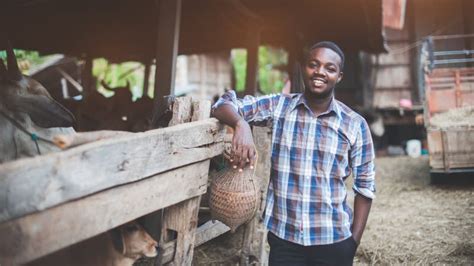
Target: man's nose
[319,71]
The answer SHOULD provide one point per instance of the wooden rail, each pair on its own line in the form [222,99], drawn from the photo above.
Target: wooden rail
[53,201]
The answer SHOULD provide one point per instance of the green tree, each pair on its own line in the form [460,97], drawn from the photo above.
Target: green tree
[117,75]
[270,61]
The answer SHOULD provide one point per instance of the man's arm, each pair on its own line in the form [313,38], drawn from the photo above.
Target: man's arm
[243,147]
[361,214]
[238,113]
[363,170]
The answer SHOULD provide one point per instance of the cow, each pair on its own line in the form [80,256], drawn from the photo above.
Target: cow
[121,246]
[29,116]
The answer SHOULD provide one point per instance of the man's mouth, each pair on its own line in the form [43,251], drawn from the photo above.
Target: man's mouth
[317,82]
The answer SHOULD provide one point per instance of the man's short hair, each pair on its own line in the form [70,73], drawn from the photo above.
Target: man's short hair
[332,46]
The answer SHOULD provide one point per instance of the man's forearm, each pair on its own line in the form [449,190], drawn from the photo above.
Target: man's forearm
[243,148]
[226,114]
[361,213]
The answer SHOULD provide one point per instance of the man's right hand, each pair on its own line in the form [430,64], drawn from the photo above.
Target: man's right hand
[243,148]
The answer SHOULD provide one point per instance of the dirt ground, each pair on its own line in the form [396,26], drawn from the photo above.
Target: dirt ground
[411,222]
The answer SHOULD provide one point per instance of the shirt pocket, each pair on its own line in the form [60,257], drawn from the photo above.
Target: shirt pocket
[332,151]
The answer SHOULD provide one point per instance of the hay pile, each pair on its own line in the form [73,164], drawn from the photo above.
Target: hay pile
[458,117]
[413,222]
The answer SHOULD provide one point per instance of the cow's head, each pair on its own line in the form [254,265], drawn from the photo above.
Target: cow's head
[132,241]
[20,93]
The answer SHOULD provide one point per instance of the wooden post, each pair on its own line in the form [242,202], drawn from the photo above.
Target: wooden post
[252,62]
[255,233]
[169,13]
[87,78]
[167,38]
[146,77]
[180,221]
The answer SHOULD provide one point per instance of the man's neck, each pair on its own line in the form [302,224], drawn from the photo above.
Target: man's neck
[318,105]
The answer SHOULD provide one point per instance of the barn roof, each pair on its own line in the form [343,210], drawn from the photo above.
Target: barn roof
[123,29]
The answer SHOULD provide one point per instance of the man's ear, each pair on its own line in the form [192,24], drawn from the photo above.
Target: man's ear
[341,74]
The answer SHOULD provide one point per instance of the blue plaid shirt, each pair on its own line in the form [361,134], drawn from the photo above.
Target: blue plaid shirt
[311,158]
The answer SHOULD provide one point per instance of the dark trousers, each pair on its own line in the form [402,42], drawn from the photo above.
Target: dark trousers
[286,253]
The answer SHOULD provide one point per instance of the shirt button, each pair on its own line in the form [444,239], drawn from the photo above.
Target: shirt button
[308,157]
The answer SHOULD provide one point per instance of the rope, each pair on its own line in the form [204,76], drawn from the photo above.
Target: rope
[34,137]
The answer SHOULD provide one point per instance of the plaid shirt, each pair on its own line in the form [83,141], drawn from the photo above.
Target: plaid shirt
[311,158]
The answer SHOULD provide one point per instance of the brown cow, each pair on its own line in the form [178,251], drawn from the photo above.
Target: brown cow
[121,246]
[29,116]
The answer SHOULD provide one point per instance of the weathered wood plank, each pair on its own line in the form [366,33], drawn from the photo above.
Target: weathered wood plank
[180,220]
[38,183]
[182,111]
[179,223]
[35,235]
[209,231]
[201,110]
[262,140]
[452,148]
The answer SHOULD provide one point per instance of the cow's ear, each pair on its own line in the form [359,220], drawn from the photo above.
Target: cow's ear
[117,240]
[44,111]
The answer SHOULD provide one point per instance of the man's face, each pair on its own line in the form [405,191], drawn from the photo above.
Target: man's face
[322,72]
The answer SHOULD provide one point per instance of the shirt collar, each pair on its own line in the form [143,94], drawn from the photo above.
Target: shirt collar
[300,100]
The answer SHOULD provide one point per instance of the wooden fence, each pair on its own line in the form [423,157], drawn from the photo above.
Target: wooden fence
[53,201]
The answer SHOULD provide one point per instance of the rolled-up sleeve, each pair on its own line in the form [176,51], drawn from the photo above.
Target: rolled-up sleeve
[256,111]
[362,158]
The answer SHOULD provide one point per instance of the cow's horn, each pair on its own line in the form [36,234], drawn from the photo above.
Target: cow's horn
[13,70]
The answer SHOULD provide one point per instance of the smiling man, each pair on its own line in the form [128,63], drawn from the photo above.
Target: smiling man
[317,142]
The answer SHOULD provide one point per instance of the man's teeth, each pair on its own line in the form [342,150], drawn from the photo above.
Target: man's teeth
[318,82]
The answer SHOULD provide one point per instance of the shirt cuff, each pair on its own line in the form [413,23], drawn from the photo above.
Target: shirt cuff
[228,98]
[231,104]
[366,192]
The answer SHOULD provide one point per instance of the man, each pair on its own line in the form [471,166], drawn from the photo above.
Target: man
[317,142]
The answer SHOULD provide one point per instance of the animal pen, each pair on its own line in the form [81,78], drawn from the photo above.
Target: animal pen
[53,201]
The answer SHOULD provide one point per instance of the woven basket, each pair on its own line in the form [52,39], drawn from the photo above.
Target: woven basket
[233,197]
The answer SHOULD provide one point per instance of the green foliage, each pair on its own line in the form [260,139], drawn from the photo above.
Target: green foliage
[117,75]
[239,62]
[271,79]
[26,59]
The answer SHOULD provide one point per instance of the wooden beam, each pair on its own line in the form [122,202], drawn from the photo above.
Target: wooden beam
[179,224]
[180,221]
[251,77]
[146,78]
[169,14]
[87,77]
[255,233]
[209,231]
[35,235]
[34,184]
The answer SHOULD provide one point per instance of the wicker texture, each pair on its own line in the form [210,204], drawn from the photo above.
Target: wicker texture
[233,197]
